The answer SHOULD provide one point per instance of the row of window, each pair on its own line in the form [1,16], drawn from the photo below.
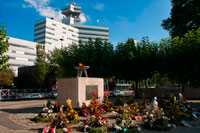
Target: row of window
[93,34]
[38,38]
[38,29]
[25,53]
[19,65]
[39,33]
[14,58]
[50,33]
[91,29]
[43,22]
[21,46]
[52,39]
[93,38]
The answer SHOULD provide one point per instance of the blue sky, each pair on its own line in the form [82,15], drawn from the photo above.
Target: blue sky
[125,18]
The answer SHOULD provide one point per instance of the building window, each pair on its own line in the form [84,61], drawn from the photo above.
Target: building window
[92,29]
[64,28]
[50,28]
[31,60]
[40,33]
[64,32]
[50,33]
[93,34]
[40,23]
[54,24]
[48,43]
[55,39]
[12,58]
[70,30]
[29,54]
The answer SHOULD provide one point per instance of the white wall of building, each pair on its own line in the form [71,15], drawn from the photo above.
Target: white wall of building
[50,31]
[21,53]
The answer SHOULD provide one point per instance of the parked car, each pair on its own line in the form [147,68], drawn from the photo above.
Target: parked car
[34,95]
[116,93]
[55,94]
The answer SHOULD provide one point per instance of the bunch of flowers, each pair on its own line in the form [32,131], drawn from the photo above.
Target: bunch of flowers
[46,114]
[134,108]
[95,105]
[59,124]
[96,122]
[84,110]
[107,105]
[142,105]
[70,113]
[119,101]
[155,118]
[177,109]
[125,120]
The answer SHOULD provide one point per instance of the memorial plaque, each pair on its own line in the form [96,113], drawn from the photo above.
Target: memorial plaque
[90,90]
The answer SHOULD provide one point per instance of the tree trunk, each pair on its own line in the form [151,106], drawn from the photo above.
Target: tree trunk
[145,83]
[136,89]
[183,88]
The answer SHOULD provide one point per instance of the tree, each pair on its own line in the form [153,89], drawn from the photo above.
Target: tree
[98,55]
[6,77]
[185,59]
[4,45]
[40,65]
[184,16]
[53,69]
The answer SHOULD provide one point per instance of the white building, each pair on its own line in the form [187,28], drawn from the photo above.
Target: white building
[72,17]
[92,32]
[21,53]
[70,30]
[55,34]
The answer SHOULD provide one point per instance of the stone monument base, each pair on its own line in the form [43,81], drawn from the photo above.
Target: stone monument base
[80,89]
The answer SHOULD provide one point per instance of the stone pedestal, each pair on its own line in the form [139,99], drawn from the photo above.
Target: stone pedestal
[79,90]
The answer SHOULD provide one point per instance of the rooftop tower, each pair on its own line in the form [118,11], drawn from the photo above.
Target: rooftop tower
[72,14]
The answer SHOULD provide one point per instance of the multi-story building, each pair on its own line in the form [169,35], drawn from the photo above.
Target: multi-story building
[72,17]
[21,53]
[55,34]
[70,30]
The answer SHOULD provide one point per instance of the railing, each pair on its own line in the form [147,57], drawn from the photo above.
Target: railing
[21,93]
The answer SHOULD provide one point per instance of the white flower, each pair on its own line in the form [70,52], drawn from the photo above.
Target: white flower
[168,125]
[151,115]
[65,129]
[139,129]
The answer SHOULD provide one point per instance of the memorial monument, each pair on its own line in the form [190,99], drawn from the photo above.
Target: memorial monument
[79,89]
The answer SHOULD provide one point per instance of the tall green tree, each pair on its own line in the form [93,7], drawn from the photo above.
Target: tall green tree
[185,59]
[40,64]
[6,77]
[184,16]
[53,69]
[4,45]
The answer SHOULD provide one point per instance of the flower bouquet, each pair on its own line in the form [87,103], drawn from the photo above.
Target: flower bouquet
[70,113]
[84,111]
[107,105]
[125,121]
[96,123]
[155,118]
[95,105]
[59,124]
[46,114]
[176,109]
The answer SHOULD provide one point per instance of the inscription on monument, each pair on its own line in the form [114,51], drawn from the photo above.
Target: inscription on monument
[90,90]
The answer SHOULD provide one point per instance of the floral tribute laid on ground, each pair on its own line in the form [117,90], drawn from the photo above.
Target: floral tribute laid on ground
[158,114]
[46,114]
